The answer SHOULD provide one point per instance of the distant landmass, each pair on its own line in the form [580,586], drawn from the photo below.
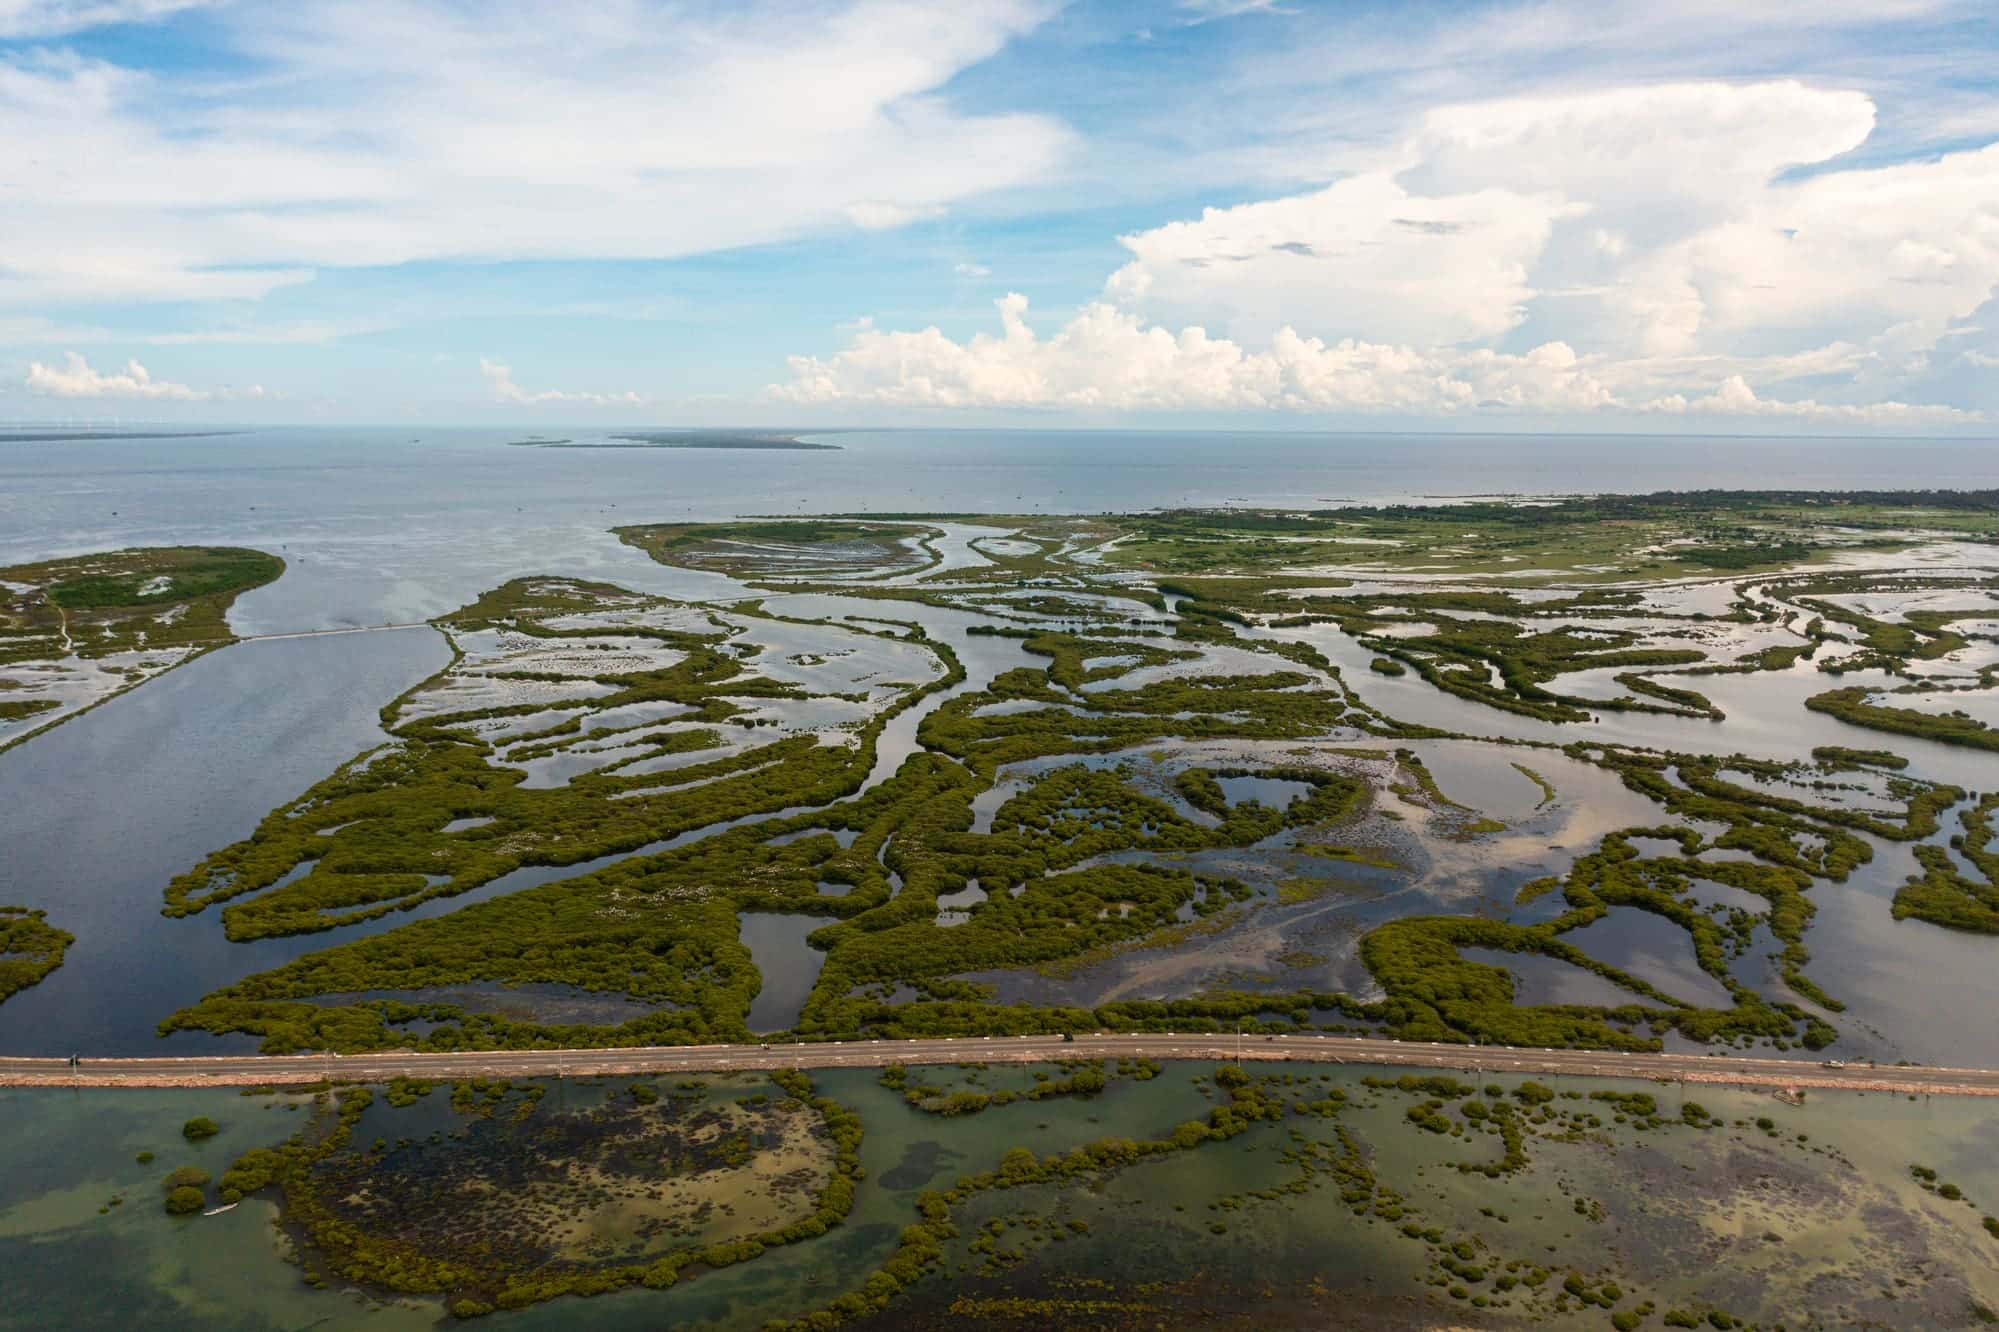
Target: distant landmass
[63,436]
[682,439]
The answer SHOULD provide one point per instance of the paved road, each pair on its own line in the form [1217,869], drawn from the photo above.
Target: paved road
[252,1070]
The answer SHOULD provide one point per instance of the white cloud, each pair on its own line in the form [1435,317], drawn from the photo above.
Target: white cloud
[1734,397]
[1484,207]
[1206,11]
[972,271]
[500,378]
[389,131]
[877,215]
[1904,249]
[1650,245]
[75,379]
[1364,252]
[1109,359]
[54,18]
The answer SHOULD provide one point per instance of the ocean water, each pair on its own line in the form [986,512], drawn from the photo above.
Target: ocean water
[394,525]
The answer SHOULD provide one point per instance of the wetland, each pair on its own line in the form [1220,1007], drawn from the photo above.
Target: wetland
[1677,771]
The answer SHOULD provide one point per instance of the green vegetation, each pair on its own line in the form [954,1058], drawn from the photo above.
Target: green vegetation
[1548,792]
[1841,756]
[1077,1078]
[199,1127]
[1589,538]
[1072,806]
[1944,894]
[1854,706]
[813,546]
[185,1191]
[372,838]
[1434,994]
[30,948]
[154,607]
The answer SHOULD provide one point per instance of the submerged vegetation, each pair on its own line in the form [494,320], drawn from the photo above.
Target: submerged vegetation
[520,1204]
[1536,1202]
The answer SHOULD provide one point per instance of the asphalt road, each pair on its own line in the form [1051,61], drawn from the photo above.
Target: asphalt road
[253,1070]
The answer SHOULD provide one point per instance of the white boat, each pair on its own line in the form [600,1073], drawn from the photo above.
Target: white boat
[218,1211]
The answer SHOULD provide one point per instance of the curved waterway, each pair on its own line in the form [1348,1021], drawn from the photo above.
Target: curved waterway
[103,809]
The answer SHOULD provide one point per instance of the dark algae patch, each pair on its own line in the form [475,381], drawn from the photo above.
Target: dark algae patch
[505,1202]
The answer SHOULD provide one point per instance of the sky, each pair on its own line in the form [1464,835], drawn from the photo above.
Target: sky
[1673,216]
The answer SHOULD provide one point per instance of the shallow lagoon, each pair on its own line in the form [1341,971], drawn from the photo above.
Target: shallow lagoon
[1678,1215]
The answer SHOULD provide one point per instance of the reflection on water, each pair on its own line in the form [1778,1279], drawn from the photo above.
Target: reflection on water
[102,810]
[789,966]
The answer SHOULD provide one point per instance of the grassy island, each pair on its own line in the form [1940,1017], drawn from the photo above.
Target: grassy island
[74,632]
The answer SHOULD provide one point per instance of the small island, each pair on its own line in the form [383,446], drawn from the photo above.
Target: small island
[685,439]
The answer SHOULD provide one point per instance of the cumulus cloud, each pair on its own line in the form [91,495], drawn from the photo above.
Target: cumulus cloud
[1362,253]
[389,131]
[1106,358]
[500,379]
[1670,249]
[75,378]
[1734,397]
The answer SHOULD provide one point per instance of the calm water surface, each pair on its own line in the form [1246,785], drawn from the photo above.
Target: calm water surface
[391,526]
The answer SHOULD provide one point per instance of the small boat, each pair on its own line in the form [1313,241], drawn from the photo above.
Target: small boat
[218,1211]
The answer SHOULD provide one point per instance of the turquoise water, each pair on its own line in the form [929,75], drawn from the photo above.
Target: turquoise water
[1680,1215]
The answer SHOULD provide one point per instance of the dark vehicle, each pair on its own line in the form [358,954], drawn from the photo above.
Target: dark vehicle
[1068,1035]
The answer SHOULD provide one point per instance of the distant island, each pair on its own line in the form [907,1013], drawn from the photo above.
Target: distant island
[682,439]
[66,436]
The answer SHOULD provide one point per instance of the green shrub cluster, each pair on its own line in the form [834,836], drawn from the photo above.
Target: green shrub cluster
[30,948]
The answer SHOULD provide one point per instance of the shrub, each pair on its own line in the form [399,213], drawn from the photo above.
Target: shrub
[182,1201]
[199,1127]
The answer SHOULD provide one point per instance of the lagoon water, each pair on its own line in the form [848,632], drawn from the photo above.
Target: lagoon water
[394,526]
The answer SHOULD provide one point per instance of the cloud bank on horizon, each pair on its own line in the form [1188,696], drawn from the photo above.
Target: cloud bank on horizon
[1544,213]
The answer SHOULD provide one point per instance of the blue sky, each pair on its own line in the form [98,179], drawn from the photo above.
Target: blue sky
[1521,216]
